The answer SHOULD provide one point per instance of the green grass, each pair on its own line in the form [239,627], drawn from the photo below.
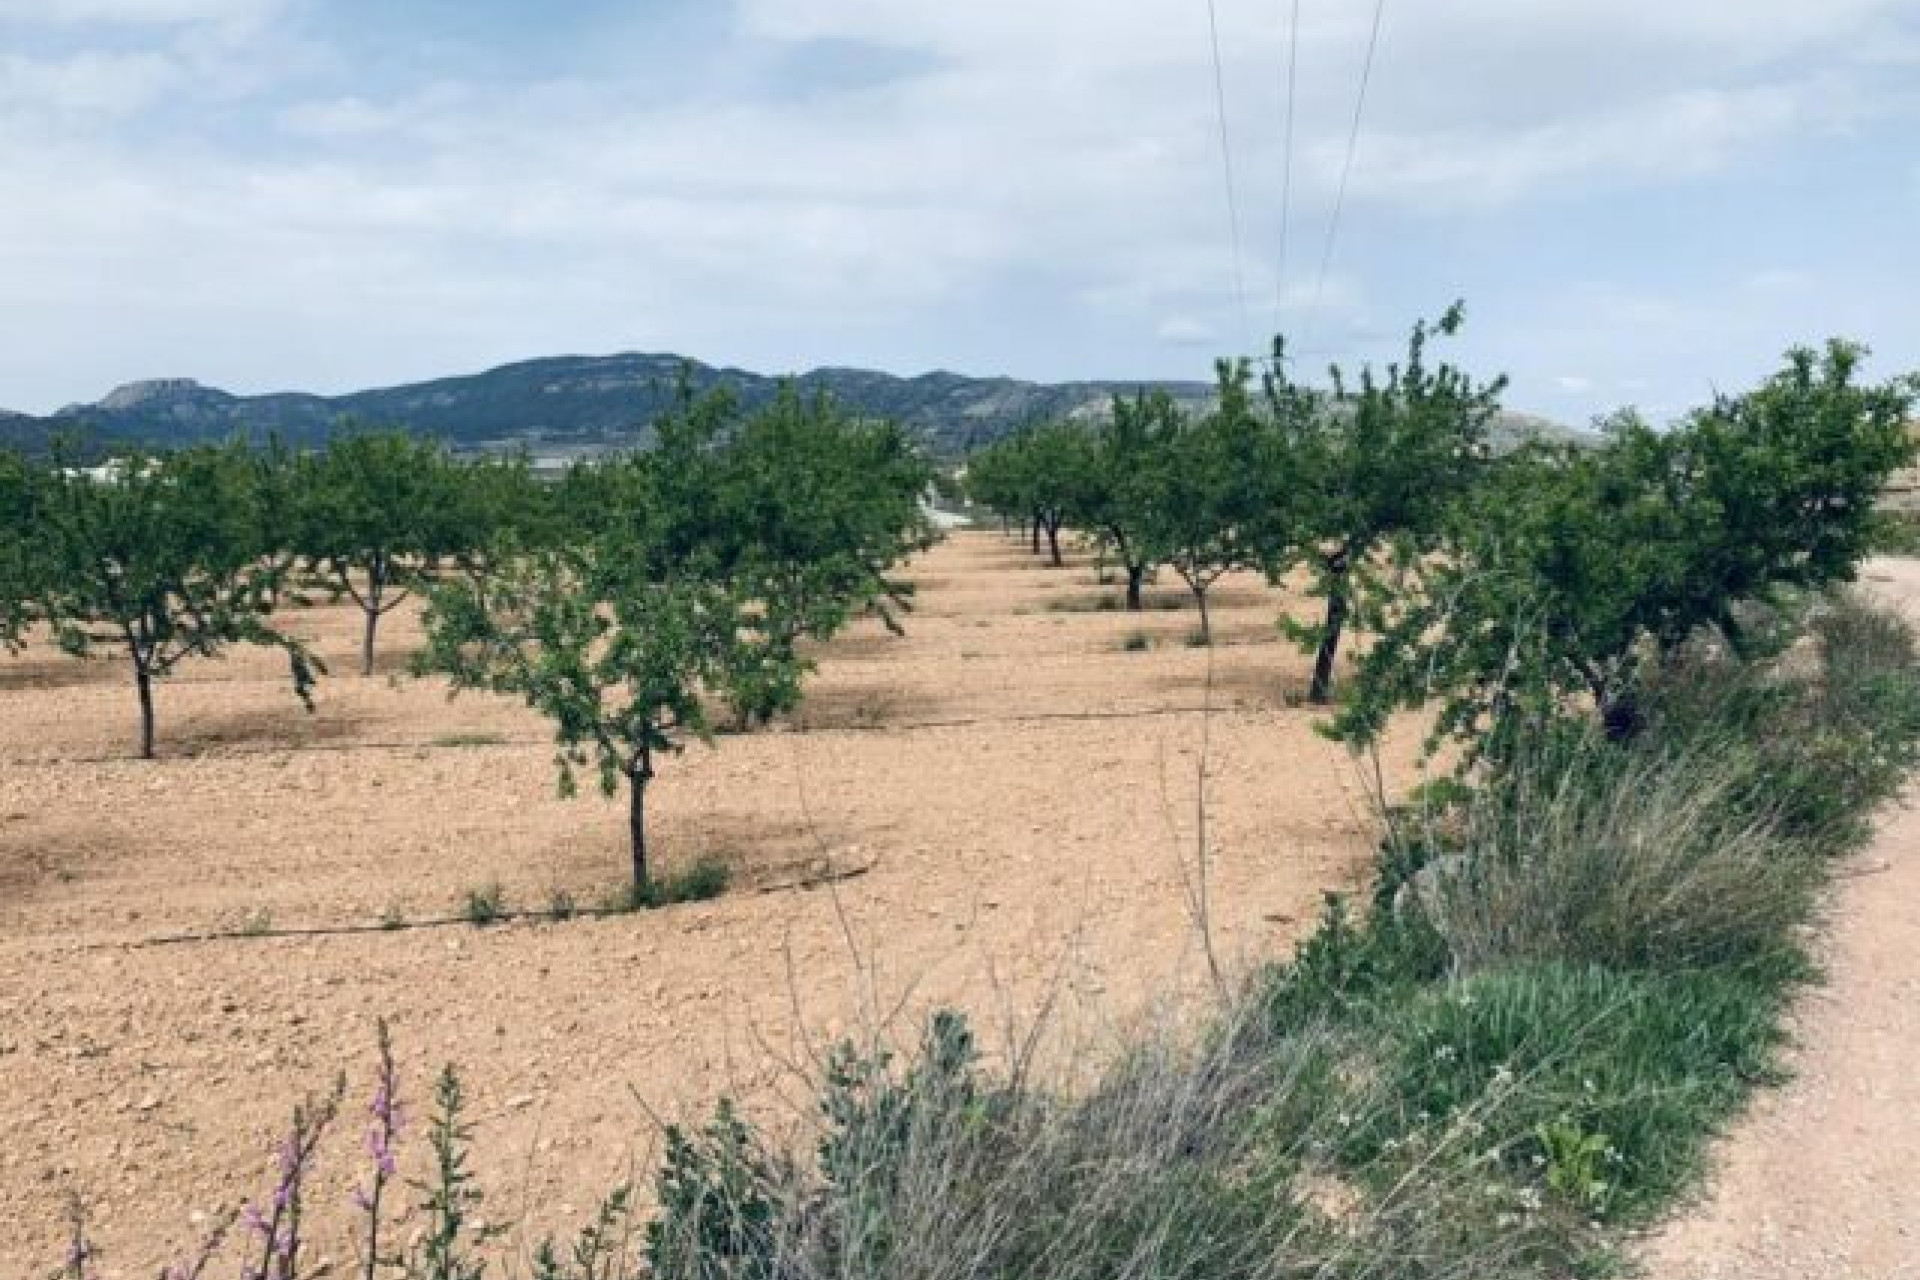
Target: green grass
[1652,1063]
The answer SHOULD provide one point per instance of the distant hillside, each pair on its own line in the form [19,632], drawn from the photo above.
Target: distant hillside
[580,403]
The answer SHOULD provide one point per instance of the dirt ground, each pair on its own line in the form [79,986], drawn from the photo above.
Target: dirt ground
[1816,1183]
[1019,785]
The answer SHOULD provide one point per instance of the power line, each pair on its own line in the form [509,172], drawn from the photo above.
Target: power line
[1286,165]
[1346,166]
[1226,163]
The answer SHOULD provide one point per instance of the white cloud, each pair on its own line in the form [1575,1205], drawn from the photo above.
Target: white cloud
[114,84]
[1185,331]
[1678,136]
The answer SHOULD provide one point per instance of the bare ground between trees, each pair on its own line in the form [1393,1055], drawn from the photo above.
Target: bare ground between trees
[1021,783]
[1817,1183]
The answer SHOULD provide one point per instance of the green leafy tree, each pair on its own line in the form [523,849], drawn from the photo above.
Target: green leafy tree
[21,547]
[1374,469]
[618,662]
[616,637]
[377,516]
[1042,473]
[808,513]
[1579,574]
[1211,496]
[1126,450]
[163,558]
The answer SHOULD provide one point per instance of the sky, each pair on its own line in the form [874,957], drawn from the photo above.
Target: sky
[1642,202]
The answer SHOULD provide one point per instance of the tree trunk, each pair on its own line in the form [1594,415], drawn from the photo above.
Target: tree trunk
[1136,573]
[1036,535]
[1321,691]
[143,682]
[1206,623]
[1053,541]
[371,606]
[637,779]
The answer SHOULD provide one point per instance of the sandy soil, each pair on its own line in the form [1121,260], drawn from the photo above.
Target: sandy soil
[1021,787]
[1817,1182]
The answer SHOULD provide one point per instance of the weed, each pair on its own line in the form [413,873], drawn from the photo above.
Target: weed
[1197,639]
[1575,1162]
[560,905]
[484,905]
[481,739]
[393,917]
[256,922]
[704,879]
[1136,642]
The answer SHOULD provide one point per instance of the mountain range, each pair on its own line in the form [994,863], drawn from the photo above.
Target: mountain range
[573,404]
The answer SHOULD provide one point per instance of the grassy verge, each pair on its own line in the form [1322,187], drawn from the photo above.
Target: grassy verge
[1568,979]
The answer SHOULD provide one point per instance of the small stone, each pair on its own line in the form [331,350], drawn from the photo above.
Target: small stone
[519,1102]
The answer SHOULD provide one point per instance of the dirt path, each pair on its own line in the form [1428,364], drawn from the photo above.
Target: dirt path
[1817,1183]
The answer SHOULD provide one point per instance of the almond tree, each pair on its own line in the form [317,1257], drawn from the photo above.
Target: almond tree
[1041,472]
[1373,468]
[164,558]
[1126,450]
[1210,499]
[809,513]
[1577,575]
[617,659]
[616,638]
[376,516]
